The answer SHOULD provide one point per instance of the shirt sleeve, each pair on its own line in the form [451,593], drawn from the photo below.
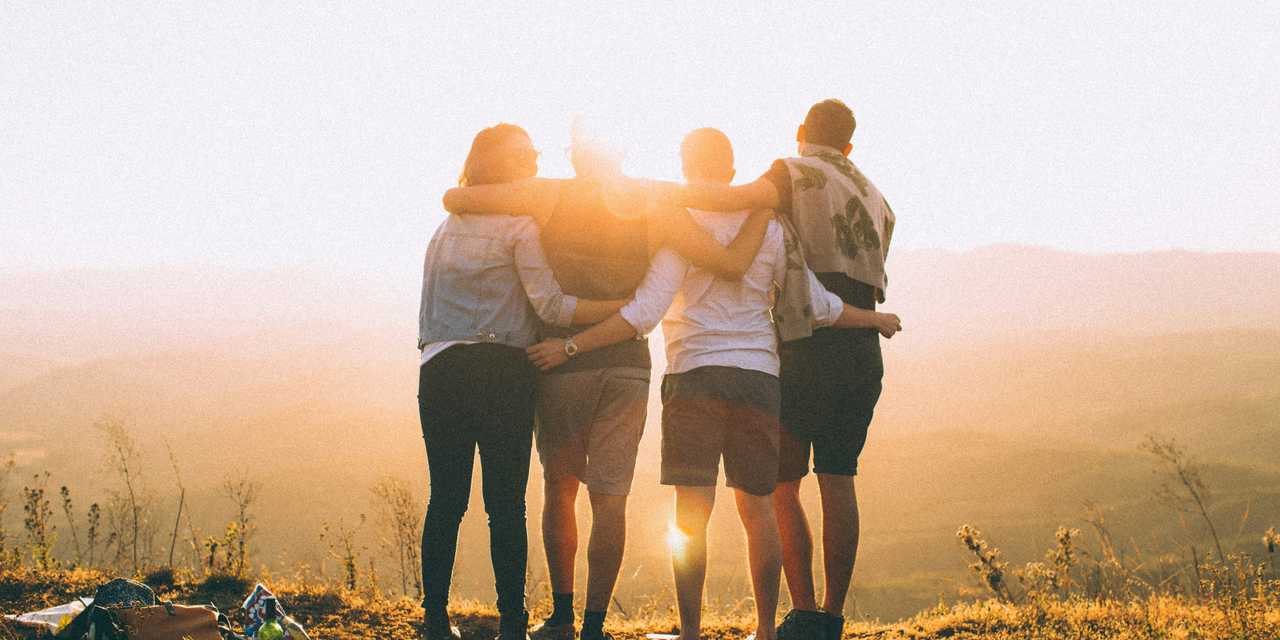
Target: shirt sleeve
[780,176]
[656,291]
[827,306]
[549,301]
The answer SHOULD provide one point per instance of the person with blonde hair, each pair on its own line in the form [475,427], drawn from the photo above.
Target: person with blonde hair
[486,284]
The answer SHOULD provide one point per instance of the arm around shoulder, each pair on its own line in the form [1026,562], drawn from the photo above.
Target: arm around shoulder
[678,230]
[534,197]
[761,194]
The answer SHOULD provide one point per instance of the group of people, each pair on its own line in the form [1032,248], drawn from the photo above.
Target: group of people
[537,297]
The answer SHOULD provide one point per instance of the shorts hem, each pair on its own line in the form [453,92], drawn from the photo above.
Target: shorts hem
[753,490]
[608,488]
[685,481]
[838,472]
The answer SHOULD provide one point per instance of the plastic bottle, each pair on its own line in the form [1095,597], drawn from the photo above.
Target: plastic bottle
[270,628]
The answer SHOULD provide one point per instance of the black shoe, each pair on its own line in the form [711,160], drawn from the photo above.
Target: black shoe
[436,627]
[513,626]
[589,635]
[804,625]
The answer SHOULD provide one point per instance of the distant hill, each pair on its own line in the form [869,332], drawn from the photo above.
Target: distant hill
[1003,291]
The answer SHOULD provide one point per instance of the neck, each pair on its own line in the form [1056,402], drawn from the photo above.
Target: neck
[810,148]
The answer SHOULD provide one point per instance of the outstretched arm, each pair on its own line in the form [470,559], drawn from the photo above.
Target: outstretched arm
[638,317]
[830,310]
[852,317]
[676,229]
[761,194]
[534,197]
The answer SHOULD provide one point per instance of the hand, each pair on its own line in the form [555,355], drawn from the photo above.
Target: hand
[888,324]
[548,354]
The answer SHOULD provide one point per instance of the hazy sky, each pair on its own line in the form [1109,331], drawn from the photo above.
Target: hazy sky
[254,135]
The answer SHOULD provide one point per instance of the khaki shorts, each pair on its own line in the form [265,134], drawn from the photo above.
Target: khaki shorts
[589,426]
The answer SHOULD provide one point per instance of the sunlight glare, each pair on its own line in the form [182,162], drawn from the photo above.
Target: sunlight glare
[676,539]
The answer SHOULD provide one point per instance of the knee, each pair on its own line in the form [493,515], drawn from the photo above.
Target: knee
[442,510]
[560,493]
[693,522]
[505,511]
[606,507]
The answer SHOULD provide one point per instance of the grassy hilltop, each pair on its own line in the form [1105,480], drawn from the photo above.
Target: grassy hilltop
[341,614]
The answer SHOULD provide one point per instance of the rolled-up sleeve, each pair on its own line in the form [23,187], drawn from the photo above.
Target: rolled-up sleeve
[656,292]
[827,306]
[549,301]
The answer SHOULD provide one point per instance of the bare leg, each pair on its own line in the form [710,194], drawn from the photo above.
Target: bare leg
[765,555]
[605,548]
[689,559]
[839,537]
[560,531]
[797,545]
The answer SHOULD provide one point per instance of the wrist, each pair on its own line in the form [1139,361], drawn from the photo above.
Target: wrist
[570,347]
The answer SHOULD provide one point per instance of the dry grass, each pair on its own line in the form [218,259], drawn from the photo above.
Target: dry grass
[338,614]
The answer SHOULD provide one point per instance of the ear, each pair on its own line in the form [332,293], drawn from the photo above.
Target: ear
[732,173]
[800,134]
[847,149]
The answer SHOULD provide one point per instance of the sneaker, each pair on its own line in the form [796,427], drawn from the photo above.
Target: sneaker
[513,626]
[549,630]
[804,625]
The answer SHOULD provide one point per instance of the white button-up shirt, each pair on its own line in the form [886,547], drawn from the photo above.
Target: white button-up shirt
[710,321]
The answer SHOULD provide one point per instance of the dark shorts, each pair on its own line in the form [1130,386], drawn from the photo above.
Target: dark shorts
[710,412]
[830,385]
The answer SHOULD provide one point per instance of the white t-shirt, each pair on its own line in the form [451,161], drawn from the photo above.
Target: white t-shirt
[712,321]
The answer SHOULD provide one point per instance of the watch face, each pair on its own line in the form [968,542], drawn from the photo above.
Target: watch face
[570,348]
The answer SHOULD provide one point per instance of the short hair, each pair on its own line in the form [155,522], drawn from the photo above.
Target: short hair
[707,153]
[829,123]
[484,165]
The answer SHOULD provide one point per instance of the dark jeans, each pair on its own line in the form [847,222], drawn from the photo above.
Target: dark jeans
[477,396]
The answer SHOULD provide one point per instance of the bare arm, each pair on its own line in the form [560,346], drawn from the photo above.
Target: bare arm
[830,310]
[534,197]
[852,317]
[549,353]
[676,229]
[760,194]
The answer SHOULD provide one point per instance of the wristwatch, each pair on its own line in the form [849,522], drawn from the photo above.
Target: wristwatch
[570,347]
